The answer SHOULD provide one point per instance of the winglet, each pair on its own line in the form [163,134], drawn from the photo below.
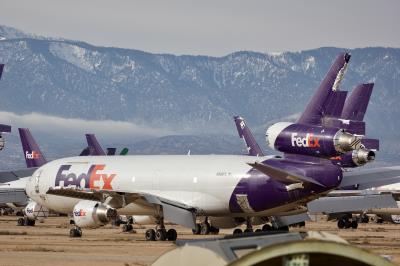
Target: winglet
[282,175]
[244,133]
[94,145]
[32,153]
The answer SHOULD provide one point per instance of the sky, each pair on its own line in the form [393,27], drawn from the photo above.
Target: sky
[210,27]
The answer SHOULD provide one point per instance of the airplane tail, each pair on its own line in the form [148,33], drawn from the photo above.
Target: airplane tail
[316,108]
[94,145]
[1,69]
[245,134]
[111,151]
[124,151]
[357,103]
[33,155]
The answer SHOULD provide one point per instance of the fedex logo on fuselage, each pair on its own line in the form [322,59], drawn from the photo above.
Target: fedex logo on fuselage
[93,179]
[33,155]
[308,142]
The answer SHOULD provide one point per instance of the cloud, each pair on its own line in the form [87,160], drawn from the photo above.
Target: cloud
[76,127]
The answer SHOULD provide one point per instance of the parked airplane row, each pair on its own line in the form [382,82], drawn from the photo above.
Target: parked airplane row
[226,190]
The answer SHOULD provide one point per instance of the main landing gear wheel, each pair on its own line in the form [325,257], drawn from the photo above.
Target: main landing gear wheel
[205,228]
[266,228]
[341,223]
[237,231]
[248,230]
[172,234]
[354,224]
[127,228]
[197,229]
[25,222]
[150,235]
[161,235]
[75,232]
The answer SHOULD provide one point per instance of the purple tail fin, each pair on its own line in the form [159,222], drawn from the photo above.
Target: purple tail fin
[85,152]
[316,108]
[247,136]
[94,145]
[357,103]
[1,69]
[33,155]
[335,104]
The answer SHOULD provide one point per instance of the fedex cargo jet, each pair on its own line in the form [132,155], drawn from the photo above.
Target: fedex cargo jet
[220,188]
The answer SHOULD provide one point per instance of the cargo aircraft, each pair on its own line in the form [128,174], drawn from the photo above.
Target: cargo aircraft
[217,187]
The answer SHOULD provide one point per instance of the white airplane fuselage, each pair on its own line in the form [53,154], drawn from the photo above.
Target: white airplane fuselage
[205,182]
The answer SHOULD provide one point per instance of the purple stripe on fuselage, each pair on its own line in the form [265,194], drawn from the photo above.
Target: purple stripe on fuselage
[263,193]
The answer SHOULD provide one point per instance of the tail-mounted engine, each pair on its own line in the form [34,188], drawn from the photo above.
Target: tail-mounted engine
[88,213]
[317,141]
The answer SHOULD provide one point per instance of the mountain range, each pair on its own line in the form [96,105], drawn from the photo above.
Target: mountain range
[193,98]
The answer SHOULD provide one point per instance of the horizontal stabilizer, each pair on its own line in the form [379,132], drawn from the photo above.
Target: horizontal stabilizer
[339,204]
[282,175]
[383,175]
[371,144]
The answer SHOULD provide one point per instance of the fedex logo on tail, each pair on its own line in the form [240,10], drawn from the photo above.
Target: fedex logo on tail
[94,178]
[32,156]
[308,142]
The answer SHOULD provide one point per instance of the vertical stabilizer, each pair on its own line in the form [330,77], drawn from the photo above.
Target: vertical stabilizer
[356,105]
[244,132]
[111,151]
[94,145]
[316,108]
[1,69]
[32,153]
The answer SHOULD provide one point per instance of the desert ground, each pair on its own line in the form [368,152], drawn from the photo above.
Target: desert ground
[48,243]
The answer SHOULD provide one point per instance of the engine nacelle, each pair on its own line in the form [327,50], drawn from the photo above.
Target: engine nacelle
[311,140]
[355,158]
[88,213]
[34,211]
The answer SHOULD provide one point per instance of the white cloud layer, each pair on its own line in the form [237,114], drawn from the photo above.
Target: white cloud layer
[76,127]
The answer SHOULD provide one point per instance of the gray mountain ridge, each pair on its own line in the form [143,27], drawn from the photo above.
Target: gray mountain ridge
[196,95]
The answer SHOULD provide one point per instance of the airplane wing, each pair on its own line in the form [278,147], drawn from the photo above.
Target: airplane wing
[173,211]
[7,176]
[360,203]
[369,178]
[282,175]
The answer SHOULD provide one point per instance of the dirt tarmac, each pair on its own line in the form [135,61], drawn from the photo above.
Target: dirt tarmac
[49,243]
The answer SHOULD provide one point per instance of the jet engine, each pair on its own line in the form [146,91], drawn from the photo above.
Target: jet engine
[311,140]
[88,213]
[34,211]
[355,158]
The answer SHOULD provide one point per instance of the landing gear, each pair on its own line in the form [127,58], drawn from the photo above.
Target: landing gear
[150,235]
[364,218]
[197,229]
[75,232]
[161,234]
[25,222]
[237,231]
[205,229]
[347,222]
[266,228]
[128,226]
